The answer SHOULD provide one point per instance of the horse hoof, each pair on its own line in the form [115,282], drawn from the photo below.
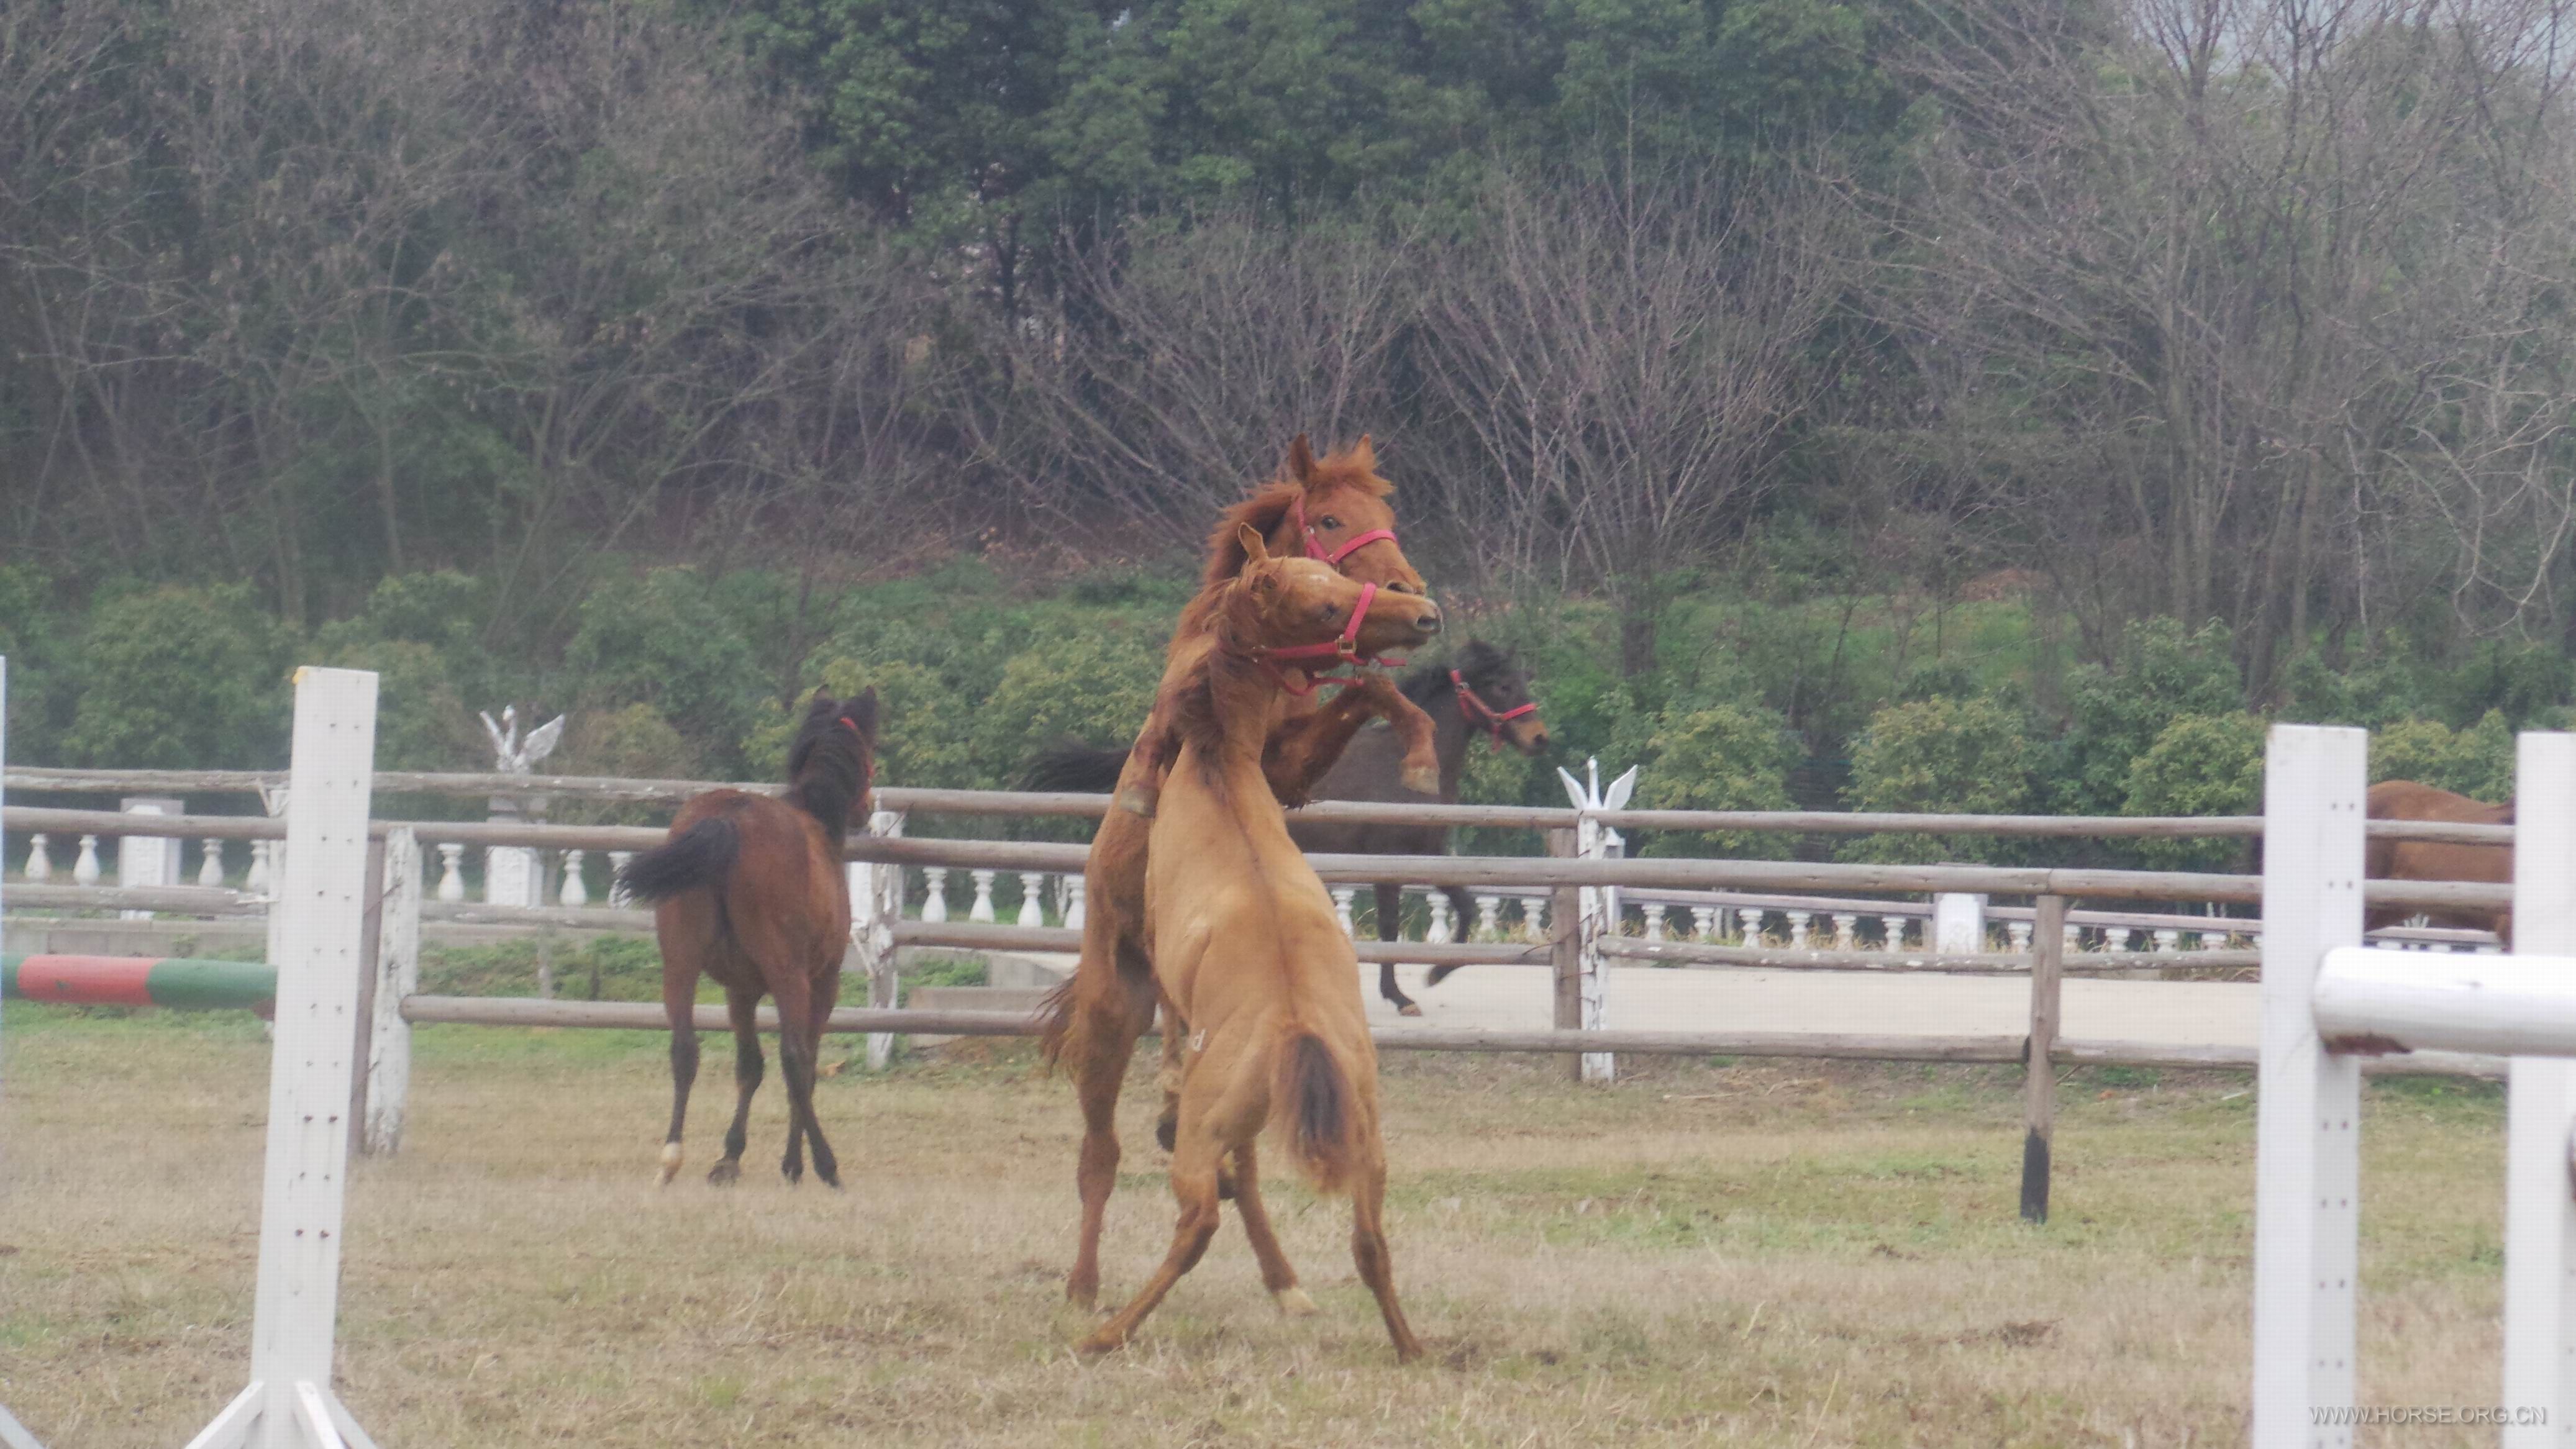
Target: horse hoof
[1408,1009]
[1098,1344]
[1081,1297]
[724,1174]
[1138,802]
[1167,1132]
[1422,779]
[1438,975]
[793,1172]
[1294,1303]
[1224,1185]
[670,1162]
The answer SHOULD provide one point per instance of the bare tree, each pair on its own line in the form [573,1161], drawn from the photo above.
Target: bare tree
[1624,354]
[1180,357]
[2255,263]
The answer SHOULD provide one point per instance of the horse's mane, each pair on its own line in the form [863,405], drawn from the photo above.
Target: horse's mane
[1195,715]
[829,767]
[1271,501]
[1476,661]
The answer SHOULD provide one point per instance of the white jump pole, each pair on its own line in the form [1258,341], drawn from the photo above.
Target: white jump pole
[321,902]
[2307,1219]
[2540,1210]
[2326,1002]
[13,1435]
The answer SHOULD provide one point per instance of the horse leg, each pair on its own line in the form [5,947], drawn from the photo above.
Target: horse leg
[1301,751]
[824,995]
[1369,1252]
[796,1043]
[1114,1018]
[679,1005]
[1277,1274]
[1390,927]
[1194,1172]
[744,1007]
[1464,906]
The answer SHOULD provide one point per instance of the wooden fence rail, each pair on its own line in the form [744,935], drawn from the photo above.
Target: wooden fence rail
[1533,872]
[1035,804]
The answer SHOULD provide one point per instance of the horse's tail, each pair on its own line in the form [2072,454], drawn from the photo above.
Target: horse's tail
[1055,1023]
[1322,1115]
[701,855]
[1074,766]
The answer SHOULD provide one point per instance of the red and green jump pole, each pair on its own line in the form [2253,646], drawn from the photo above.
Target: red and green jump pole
[180,982]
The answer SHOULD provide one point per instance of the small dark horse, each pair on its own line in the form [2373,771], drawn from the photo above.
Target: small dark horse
[1484,690]
[750,891]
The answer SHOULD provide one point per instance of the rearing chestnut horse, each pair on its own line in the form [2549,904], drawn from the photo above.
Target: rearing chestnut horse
[1334,511]
[1480,691]
[1246,947]
[750,890]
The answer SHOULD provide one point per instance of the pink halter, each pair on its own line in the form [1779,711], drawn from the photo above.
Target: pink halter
[1315,546]
[1470,706]
[1344,649]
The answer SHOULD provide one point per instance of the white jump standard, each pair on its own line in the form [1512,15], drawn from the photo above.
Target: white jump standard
[320,906]
[2326,1002]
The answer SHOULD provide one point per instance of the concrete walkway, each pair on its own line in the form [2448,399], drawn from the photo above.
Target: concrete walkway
[2181,1013]
[1895,1003]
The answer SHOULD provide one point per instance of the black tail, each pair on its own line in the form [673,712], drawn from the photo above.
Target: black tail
[1074,766]
[701,855]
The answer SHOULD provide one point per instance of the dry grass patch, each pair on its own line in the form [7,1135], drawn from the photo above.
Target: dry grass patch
[1763,1254]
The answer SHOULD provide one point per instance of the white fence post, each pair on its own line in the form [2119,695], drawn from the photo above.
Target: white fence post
[316,932]
[145,860]
[1958,923]
[397,976]
[2540,1213]
[876,903]
[1599,905]
[12,1434]
[2306,1233]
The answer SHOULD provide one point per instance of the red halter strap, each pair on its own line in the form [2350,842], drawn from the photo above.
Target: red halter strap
[1315,546]
[1472,707]
[1344,649]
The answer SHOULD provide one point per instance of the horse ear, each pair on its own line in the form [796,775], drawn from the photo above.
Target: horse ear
[862,711]
[1301,459]
[1254,551]
[1364,454]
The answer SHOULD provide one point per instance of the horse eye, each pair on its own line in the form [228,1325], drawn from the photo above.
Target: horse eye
[1328,521]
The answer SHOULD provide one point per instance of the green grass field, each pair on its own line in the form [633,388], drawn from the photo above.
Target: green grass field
[1782,1253]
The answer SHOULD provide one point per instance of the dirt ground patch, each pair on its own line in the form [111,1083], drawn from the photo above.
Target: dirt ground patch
[1780,1253]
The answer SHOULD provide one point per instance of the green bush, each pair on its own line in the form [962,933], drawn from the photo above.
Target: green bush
[2115,715]
[40,685]
[422,720]
[1094,685]
[182,679]
[2528,684]
[2477,761]
[2200,764]
[1945,756]
[662,640]
[1707,757]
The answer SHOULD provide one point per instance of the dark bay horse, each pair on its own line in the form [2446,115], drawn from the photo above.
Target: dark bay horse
[1246,949]
[750,890]
[1482,691]
[2432,860]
